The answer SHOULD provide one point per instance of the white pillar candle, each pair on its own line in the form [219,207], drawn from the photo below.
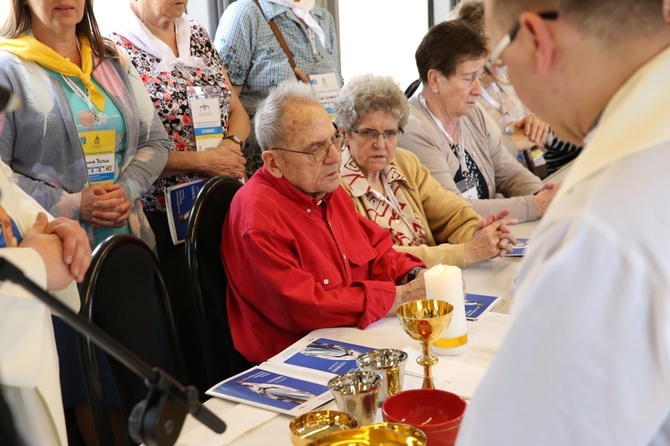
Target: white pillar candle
[444,282]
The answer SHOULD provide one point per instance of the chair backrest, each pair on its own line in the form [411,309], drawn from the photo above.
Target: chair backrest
[203,253]
[125,295]
[409,91]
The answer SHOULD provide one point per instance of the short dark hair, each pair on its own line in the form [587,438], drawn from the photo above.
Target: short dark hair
[607,20]
[446,45]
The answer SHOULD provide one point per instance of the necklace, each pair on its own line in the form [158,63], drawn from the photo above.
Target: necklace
[68,55]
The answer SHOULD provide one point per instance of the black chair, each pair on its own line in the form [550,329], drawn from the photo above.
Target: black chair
[203,253]
[124,294]
[409,91]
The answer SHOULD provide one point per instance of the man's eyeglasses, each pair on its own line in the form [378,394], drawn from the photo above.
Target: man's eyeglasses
[373,135]
[493,64]
[321,152]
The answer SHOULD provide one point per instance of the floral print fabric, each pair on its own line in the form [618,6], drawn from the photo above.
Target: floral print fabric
[168,93]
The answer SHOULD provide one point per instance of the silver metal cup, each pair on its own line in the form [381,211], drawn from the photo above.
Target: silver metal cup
[390,364]
[356,393]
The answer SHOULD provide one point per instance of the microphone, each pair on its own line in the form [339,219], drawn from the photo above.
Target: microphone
[154,421]
[8,102]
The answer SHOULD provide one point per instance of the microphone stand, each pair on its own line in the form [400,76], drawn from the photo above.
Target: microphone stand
[156,420]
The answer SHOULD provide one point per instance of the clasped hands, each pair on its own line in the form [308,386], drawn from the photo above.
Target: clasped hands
[63,246]
[105,205]
[492,237]
[224,159]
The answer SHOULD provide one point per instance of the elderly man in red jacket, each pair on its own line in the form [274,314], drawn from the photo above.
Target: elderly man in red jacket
[297,255]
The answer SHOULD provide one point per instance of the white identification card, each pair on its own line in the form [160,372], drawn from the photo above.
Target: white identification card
[206,116]
[468,189]
[327,89]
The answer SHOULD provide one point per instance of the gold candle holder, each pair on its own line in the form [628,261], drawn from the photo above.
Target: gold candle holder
[425,321]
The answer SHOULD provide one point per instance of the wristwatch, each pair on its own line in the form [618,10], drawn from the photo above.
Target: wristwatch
[411,275]
[235,139]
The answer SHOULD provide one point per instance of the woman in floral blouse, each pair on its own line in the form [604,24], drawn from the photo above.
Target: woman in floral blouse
[176,61]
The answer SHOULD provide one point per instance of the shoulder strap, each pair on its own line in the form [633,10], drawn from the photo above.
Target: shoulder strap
[280,38]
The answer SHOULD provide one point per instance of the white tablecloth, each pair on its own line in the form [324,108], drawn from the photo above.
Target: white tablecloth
[249,426]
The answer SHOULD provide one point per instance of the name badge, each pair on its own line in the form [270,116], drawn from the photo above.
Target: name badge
[99,150]
[206,116]
[327,89]
[468,189]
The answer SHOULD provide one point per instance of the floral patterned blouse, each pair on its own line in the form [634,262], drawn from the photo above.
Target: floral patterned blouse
[168,93]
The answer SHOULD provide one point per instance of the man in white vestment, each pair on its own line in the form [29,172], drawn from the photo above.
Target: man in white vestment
[586,360]
[53,254]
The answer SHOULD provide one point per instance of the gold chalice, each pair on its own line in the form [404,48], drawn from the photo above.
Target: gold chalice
[425,320]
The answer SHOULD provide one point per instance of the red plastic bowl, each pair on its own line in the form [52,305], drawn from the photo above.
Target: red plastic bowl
[437,413]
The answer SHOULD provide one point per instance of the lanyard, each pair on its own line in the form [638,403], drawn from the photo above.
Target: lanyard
[312,41]
[492,101]
[510,111]
[460,152]
[83,96]
[393,202]
[458,149]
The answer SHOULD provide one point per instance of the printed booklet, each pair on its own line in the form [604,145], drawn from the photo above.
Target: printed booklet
[179,201]
[519,249]
[294,381]
[476,305]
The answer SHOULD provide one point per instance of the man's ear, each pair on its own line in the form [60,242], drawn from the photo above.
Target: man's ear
[273,163]
[542,41]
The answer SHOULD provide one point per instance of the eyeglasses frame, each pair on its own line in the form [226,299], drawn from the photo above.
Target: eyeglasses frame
[384,135]
[313,153]
[507,41]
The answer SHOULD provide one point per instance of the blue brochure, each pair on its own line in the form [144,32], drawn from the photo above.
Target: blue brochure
[519,249]
[273,391]
[476,305]
[327,355]
[179,201]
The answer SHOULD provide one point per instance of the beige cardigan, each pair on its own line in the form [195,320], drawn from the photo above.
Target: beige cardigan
[503,174]
[448,219]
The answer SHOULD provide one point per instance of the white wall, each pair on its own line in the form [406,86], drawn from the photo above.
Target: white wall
[441,10]
[107,13]
[381,36]
[4,10]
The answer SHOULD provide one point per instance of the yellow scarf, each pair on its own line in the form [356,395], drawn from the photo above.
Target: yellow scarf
[30,48]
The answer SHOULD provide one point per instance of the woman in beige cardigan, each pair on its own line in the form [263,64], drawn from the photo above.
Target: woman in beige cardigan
[390,186]
[459,143]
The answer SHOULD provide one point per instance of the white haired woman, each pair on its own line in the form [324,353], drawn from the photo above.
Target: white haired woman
[390,186]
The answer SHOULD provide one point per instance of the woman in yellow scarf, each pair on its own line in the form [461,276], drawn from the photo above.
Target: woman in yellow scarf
[85,141]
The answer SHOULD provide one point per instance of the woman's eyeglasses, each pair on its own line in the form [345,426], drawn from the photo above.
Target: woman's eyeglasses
[373,135]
